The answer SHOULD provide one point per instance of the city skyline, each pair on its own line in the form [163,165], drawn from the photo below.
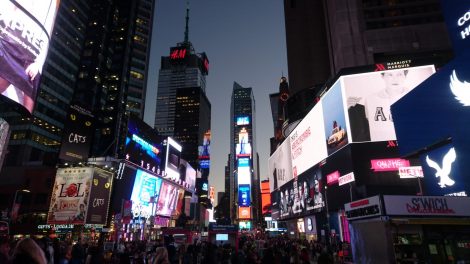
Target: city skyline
[230,61]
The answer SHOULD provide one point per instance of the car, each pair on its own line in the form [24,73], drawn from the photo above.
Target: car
[337,135]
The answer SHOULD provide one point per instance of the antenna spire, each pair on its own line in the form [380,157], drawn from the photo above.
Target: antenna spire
[186,31]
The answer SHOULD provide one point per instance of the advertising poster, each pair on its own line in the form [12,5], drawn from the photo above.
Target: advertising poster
[244,171]
[307,141]
[244,212]
[25,32]
[244,195]
[265,198]
[143,147]
[172,159]
[190,175]
[146,189]
[4,137]
[97,212]
[442,174]
[168,199]
[179,205]
[70,195]
[242,120]
[334,118]
[280,166]
[77,135]
[243,147]
[369,97]
[204,151]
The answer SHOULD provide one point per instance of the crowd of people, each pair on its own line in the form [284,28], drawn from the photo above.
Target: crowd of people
[251,250]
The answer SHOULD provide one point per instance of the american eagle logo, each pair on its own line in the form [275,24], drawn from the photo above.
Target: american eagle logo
[461,90]
[444,172]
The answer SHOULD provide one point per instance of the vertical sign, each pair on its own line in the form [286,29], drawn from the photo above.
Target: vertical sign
[77,136]
[97,212]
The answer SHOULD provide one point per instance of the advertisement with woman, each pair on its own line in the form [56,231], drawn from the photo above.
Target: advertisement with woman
[25,33]
[168,199]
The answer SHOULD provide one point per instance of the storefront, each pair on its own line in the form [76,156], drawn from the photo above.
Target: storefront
[435,229]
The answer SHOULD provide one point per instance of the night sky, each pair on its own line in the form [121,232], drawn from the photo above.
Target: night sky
[245,43]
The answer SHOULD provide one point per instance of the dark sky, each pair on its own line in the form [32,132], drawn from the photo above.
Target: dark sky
[245,43]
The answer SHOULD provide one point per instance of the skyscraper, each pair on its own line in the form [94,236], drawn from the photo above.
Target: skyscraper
[244,160]
[183,110]
[325,36]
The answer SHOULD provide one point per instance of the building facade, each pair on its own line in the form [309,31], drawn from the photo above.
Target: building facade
[244,159]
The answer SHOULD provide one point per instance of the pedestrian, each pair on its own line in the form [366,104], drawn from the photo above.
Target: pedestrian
[78,253]
[4,250]
[161,256]
[27,251]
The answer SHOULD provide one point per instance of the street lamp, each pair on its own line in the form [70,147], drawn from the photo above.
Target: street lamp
[327,216]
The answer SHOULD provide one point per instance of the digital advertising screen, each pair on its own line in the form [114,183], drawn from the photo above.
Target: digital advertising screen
[457,17]
[204,151]
[26,28]
[244,171]
[243,150]
[4,137]
[145,193]
[334,119]
[280,166]
[70,196]
[168,199]
[172,160]
[244,195]
[242,120]
[442,174]
[77,135]
[307,141]
[221,237]
[368,97]
[436,111]
[244,225]
[244,212]
[189,175]
[143,146]
[179,205]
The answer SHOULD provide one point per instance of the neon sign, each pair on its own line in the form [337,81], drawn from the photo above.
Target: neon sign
[178,54]
[145,144]
[388,164]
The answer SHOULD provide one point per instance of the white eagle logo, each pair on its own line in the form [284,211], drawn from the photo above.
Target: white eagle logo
[460,89]
[444,172]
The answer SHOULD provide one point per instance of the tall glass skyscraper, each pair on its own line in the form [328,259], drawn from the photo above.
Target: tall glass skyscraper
[244,160]
[183,110]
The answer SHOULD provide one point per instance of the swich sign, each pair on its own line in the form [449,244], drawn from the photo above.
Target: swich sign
[427,205]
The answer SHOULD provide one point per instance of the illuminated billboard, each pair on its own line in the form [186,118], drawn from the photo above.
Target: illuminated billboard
[334,119]
[244,212]
[204,151]
[457,17]
[168,199]
[368,98]
[143,147]
[4,136]
[242,120]
[172,160]
[145,193]
[265,198]
[307,141]
[69,201]
[26,28]
[280,166]
[244,195]
[244,171]
[243,147]
[97,212]
[77,135]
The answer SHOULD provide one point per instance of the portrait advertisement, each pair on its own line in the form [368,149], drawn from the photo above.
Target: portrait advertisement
[280,166]
[25,33]
[369,97]
[334,119]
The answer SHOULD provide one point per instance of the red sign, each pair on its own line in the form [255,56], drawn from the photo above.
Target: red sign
[332,178]
[178,54]
[388,164]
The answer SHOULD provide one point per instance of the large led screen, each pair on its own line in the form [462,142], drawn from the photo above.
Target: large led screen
[369,96]
[307,141]
[457,17]
[145,193]
[244,171]
[26,28]
[97,212]
[143,146]
[302,195]
[70,195]
[280,166]
[242,120]
[244,195]
[334,119]
[442,174]
[172,161]
[244,212]
[168,199]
